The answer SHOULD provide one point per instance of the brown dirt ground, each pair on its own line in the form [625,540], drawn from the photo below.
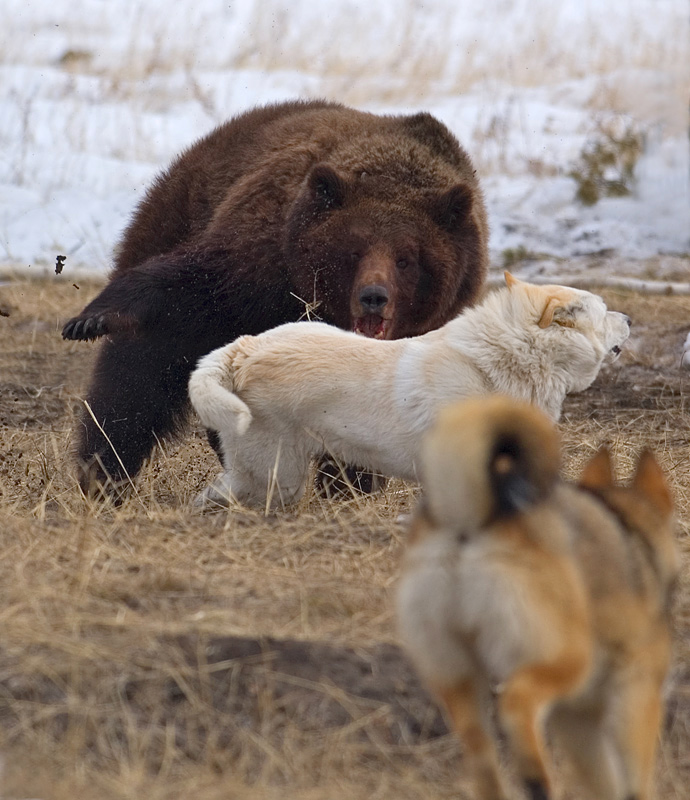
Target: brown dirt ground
[147,650]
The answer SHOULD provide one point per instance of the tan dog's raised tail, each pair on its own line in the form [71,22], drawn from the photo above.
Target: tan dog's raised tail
[555,596]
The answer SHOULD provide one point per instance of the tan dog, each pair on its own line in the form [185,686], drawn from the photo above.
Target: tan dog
[554,595]
[306,388]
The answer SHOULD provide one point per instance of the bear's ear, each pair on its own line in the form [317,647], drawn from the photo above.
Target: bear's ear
[326,187]
[433,134]
[454,206]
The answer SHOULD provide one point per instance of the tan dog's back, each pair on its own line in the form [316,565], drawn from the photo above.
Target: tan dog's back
[558,594]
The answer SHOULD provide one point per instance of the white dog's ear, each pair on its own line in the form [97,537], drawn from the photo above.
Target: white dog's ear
[511,280]
[556,311]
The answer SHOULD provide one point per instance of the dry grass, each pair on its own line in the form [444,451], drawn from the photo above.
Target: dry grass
[149,651]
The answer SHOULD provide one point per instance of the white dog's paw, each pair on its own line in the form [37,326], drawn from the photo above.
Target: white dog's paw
[685,358]
[215,496]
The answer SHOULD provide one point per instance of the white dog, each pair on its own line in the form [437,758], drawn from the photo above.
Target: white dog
[306,388]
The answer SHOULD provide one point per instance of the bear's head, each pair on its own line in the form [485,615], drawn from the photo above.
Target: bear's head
[385,257]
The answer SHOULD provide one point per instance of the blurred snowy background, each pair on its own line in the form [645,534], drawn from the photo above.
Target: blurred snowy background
[574,111]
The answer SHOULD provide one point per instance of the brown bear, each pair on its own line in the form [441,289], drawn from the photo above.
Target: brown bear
[372,223]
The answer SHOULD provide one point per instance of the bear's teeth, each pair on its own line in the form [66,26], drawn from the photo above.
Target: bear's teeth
[371,326]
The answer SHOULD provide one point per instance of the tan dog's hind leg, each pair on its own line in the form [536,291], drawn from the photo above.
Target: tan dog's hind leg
[524,703]
[637,720]
[463,707]
[581,736]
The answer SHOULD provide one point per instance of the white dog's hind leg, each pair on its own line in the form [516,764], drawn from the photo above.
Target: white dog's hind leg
[244,488]
[285,468]
[263,470]
[216,495]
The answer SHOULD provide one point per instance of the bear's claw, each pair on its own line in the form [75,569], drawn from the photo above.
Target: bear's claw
[85,329]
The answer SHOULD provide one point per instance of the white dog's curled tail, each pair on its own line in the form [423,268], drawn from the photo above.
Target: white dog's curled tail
[217,406]
[488,458]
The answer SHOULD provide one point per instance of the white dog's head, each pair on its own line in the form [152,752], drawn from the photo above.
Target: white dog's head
[573,326]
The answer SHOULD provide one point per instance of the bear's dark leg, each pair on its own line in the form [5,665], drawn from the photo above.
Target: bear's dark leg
[214,440]
[138,395]
[335,481]
[161,317]
[196,299]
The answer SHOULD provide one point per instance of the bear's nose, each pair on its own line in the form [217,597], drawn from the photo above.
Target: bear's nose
[373,298]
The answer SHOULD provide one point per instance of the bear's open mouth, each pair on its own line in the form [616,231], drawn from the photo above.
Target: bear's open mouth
[371,325]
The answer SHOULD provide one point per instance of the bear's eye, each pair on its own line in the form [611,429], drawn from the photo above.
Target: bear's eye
[355,257]
[402,263]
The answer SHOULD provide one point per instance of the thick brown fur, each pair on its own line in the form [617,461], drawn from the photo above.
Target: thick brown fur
[377,223]
[555,596]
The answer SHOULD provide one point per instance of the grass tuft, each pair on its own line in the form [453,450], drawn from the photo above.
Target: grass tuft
[606,166]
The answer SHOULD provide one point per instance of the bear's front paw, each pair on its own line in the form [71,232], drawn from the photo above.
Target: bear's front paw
[86,329]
